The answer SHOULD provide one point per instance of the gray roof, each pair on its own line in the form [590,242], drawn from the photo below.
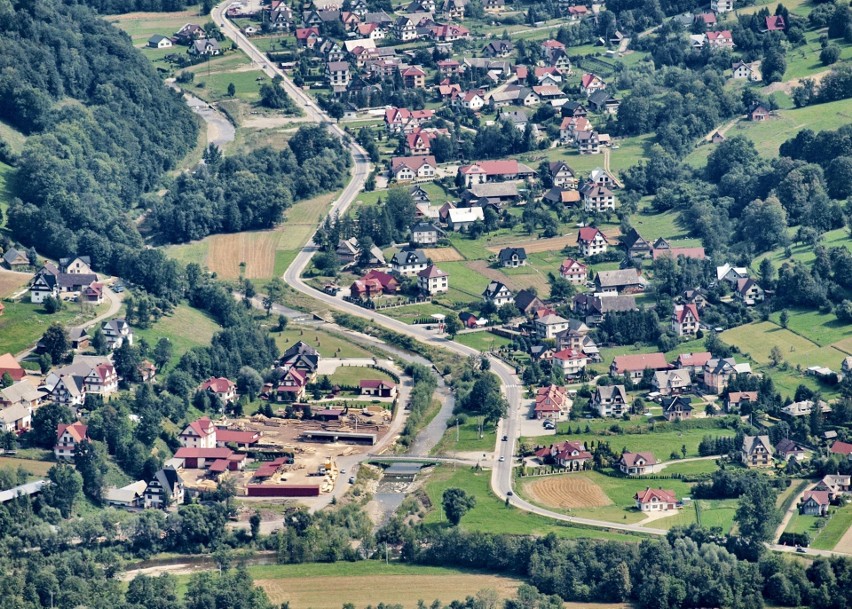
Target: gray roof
[406,257]
[749,443]
[21,392]
[622,277]
[200,46]
[507,252]
[31,488]
[608,392]
[424,227]
[11,254]
[494,288]
[495,189]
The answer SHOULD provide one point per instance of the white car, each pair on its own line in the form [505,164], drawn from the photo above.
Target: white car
[501,459]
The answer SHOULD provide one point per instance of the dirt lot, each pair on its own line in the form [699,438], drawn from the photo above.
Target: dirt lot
[566,492]
[256,249]
[443,254]
[845,543]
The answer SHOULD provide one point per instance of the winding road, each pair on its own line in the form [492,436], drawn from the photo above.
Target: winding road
[501,476]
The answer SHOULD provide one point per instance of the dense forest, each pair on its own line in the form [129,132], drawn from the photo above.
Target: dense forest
[111,7]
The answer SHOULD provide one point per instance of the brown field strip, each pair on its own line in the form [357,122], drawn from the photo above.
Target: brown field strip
[361,590]
[567,492]
[443,254]
[10,281]
[256,249]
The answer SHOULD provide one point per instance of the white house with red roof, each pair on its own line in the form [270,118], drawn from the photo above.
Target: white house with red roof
[494,171]
[685,320]
[68,435]
[433,280]
[842,448]
[570,455]
[693,362]
[655,500]
[720,40]
[591,83]
[637,464]
[291,385]
[222,388]
[815,503]
[591,241]
[377,388]
[572,362]
[405,120]
[409,168]
[573,272]
[634,366]
[200,433]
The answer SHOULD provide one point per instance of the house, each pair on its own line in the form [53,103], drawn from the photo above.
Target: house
[736,400]
[756,451]
[789,450]
[528,303]
[70,384]
[127,497]
[413,77]
[758,113]
[634,366]
[685,320]
[668,382]
[517,118]
[572,362]
[454,9]
[424,233]
[594,308]
[408,262]
[44,285]
[512,257]
[841,448]
[655,500]
[719,371]
[498,48]
[117,331]
[408,168]
[147,370]
[498,293]
[693,362]
[610,400]
[706,19]
[207,47]
[190,32]
[742,71]
[587,142]
[721,6]
[419,141]
[405,29]
[551,403]
[602,101]
[597,198]
[405,120]
[835,484]
[164,489]
[551,47]
[449,67]
[846,365]
[573,272]
[577,13]
[307,36]
[21,394]
[15,419]
[433,280]
[461,219]
[493,6]
[79,265]
[67,438]
[337,75]
[591,241]
[224,390]
[570,126]
[627,281]
[93,293]
[775,23]
[491,193]
[204,458]
[635,245]
[804,408]
[676,408]
[731,274]
[550,325]
[720,40]
[570,455]
[564,196]
[235,437]
[591,83]
[814,503]
[9,365]
[349,252]
[377,388]
[15,259]
[562,175]
[694,296]
[748,291]
[494,171]
[374,283]
[289,384]
[637,464]
[159,42]
[200,433]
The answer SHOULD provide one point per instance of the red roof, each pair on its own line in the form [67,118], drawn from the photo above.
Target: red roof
[431,272]
[589,78]
[630,458]
[413,71]
[552,44]
[412,162]
[9,364]
[521,72]
[492,168]
[696,253]
[775,23]
[650,494]
[202,427]
[203,453]
[694,359]
[385,280]
[375,384]
[681,311]
[841,448]
[570,263]
[724,35]
[821,497]
[238,437]
[642,361]
[587,234]
[735,397]
[550,399]
[267,470]
[218,385]
[219,466]
[569,354]
[77,430]
[304,33]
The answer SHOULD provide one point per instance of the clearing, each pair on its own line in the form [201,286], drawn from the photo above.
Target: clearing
[185,328]
[36,468]
[248,254]
[11,282]
[443,254]
[351,375]
[566,492]
[329,344]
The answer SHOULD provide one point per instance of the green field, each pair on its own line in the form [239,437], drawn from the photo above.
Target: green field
[351,375]
[141,26]
[491,515]
[23,323]
[467,438]
[327,343]
[35,468]
[803,60]
[5,190]
[185,328]
[804,252]
[827,536]
[482,341]
[661,443]
[246,83]
[714,513]
[691,468]
[413,312]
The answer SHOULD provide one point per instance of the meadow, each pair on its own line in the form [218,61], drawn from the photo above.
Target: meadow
[329,344]
[351,375]
[826,534]
[185,328]
[23,323]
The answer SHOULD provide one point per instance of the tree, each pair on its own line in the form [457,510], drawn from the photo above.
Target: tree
[365,253]
[775,355]
[829,54]
[274,295]
[456,504]
[756,514]
[232,90]
[45,421]
[55,343]
[162,352]
[91,462]
[773,65]
[784,318]
[153,592]
[452,325]
[52,304]
[282,323]
[249,382]
[7,380]
[254,523]
[64,489]
[99,342]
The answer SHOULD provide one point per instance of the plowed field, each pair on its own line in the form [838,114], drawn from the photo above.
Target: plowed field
[570,491]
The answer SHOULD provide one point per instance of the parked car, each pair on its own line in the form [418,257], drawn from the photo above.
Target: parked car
[351,479]
[501,459]
[505,438]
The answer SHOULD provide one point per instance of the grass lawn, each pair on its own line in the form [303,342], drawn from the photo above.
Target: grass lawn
[368,583]
[826,536]
[803,61]
[655,225]
[141,26]
[691,468]
[5,190]
[465,280]
[491,515]
[483,341]
[23,323]
[835,238]
[185,328]
[713,513]
[413,312]
[36,468]
[822,328]
[661,443]
[327,343]
[468,438]
[351,375]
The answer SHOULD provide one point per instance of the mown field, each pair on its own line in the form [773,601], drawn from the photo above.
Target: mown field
[23,323]
[351,375]
[327,343]
[185,328]
[805,252]
[492,515]
[483,341]
[824,533]
[141,26]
